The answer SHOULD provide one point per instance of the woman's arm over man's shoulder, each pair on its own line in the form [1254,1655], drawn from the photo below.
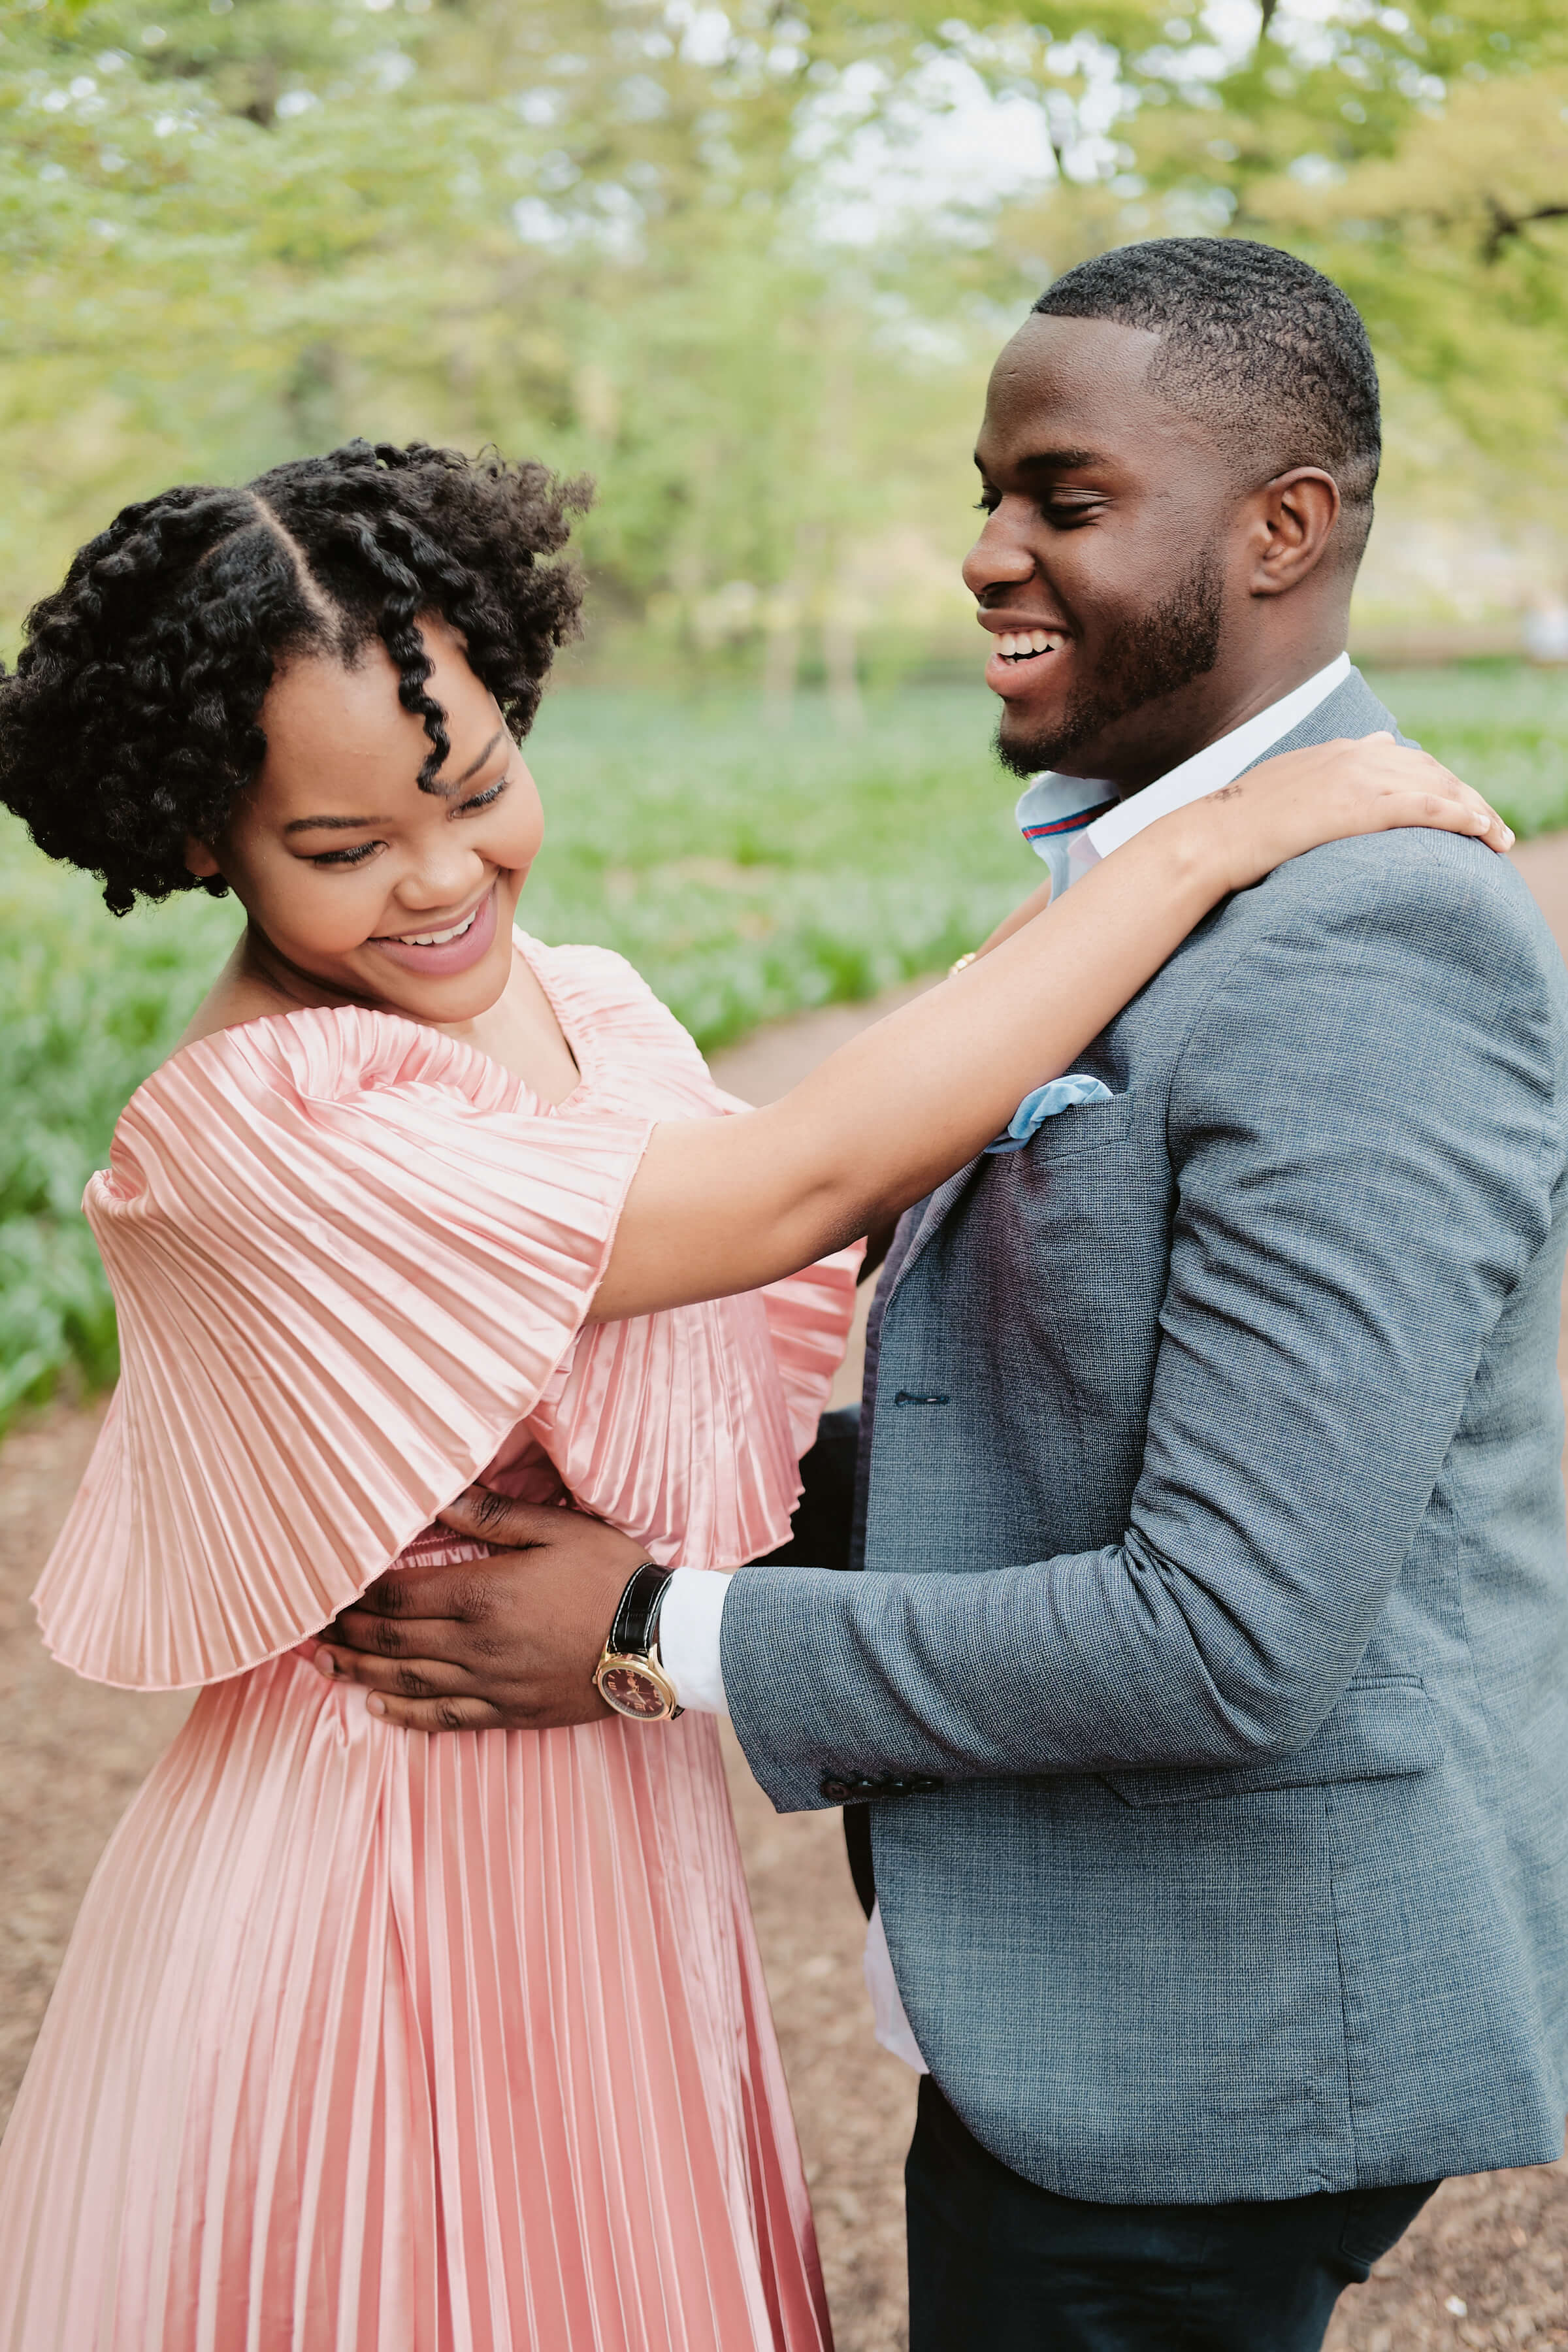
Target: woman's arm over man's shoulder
[1366,1126]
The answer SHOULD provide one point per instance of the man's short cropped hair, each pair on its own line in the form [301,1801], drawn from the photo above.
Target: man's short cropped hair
[1259,346]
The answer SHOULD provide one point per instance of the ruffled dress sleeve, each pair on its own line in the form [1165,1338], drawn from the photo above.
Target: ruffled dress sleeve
[808,1317]
[686,1427]
[348,1256]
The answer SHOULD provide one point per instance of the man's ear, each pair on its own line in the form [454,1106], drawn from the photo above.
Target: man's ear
[1294,517]
[199,859]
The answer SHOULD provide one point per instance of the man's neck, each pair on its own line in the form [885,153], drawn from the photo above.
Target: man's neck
[1167,736]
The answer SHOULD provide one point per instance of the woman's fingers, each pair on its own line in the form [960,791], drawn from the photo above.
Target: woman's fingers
[1431,796]
[1298,800]
[1373,784]
[1442,799]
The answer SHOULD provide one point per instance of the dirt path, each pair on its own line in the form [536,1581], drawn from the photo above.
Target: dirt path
[1483,2267]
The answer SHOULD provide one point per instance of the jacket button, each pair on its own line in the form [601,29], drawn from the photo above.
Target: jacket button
[926,1784]
[837,1793]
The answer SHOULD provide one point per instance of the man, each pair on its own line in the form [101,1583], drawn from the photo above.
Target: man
[1206,1675]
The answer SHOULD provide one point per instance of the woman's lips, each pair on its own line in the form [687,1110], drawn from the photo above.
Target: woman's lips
[470,947]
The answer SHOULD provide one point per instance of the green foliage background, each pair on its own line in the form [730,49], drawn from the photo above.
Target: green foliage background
[613,233]
[749,868]
[617,234]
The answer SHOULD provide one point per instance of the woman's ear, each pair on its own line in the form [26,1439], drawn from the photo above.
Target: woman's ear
[199,859]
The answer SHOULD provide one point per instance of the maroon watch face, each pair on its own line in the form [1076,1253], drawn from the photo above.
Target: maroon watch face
[632,1693]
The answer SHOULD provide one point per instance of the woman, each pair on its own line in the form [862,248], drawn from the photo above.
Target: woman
[366,2041]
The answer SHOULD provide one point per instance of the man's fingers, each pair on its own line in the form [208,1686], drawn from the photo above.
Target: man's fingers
[437,1714]
[496,1519]
[461,1594]
[360,1629]
[410,1677]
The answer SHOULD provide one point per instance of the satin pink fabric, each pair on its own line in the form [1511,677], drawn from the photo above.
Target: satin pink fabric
[368,2041]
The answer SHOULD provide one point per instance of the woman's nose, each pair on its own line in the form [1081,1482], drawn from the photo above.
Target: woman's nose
[445,875]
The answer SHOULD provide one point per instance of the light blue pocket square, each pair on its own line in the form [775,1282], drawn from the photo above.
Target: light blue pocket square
[1032,1113]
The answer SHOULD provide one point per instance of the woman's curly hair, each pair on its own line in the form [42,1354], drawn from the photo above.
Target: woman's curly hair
[133,720]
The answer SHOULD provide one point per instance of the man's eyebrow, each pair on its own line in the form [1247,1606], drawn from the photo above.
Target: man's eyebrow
[362,824]
[1061,460]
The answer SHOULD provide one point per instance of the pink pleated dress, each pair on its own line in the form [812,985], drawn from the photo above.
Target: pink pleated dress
[368,2041]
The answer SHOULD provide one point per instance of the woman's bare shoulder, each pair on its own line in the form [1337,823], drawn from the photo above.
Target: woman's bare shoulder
[236,996]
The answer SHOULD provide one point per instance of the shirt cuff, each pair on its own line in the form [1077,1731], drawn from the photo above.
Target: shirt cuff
[688,1638]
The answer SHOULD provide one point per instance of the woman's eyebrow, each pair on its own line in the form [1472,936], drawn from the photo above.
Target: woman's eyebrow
[359,823]
[332,824]
[475,765]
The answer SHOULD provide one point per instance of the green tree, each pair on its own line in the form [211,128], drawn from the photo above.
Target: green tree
[234,229]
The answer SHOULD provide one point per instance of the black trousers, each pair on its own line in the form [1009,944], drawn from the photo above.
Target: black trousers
[998,2265]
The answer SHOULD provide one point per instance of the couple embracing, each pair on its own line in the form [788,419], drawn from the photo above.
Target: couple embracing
[1203,1673]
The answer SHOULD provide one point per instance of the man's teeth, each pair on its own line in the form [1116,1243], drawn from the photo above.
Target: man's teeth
[1021,648]
[437,939]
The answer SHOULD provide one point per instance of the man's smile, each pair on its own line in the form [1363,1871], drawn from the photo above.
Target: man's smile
[1024,651]
[1024,646]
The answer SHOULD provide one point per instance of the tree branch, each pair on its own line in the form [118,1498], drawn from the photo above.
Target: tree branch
[1506,224]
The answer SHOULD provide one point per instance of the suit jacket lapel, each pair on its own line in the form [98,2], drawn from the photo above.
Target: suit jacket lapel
[944,1198]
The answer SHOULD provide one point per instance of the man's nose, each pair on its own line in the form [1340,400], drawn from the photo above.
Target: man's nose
[1000,557]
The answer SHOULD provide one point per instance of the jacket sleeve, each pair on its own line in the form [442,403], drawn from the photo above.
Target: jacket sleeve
[1362,1128]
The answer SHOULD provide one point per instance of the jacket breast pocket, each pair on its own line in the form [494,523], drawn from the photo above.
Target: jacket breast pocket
[1381,1730]
[1085,1127]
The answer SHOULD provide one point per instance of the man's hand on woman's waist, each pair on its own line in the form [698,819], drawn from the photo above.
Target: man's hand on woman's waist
[505,1643]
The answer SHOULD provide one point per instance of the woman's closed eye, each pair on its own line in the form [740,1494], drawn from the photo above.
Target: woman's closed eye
[355,856]
[483,799]
[363,850]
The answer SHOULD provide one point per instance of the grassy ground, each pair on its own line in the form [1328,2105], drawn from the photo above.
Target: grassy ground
[749,868]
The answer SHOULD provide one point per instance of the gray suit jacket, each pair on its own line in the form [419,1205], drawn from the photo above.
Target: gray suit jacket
[1209,1669]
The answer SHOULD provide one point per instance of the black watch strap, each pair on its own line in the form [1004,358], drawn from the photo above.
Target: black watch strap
[636,1628]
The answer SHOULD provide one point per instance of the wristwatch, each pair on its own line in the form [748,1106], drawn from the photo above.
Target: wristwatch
[628,1676]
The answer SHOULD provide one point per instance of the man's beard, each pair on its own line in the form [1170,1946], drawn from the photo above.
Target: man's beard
[1141,661]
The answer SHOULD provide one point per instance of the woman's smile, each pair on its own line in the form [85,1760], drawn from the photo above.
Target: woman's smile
[439,949]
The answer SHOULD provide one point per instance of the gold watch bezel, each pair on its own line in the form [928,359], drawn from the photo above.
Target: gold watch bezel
[649,1669]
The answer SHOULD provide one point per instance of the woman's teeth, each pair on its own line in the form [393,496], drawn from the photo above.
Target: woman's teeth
[1024,647]
[435,938]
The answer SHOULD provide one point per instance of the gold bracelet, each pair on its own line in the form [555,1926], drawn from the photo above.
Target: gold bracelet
[963,962]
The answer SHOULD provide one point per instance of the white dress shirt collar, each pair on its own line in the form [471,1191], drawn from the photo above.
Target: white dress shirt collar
[1072,821]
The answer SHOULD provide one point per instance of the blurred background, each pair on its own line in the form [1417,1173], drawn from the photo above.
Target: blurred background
[748,266]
